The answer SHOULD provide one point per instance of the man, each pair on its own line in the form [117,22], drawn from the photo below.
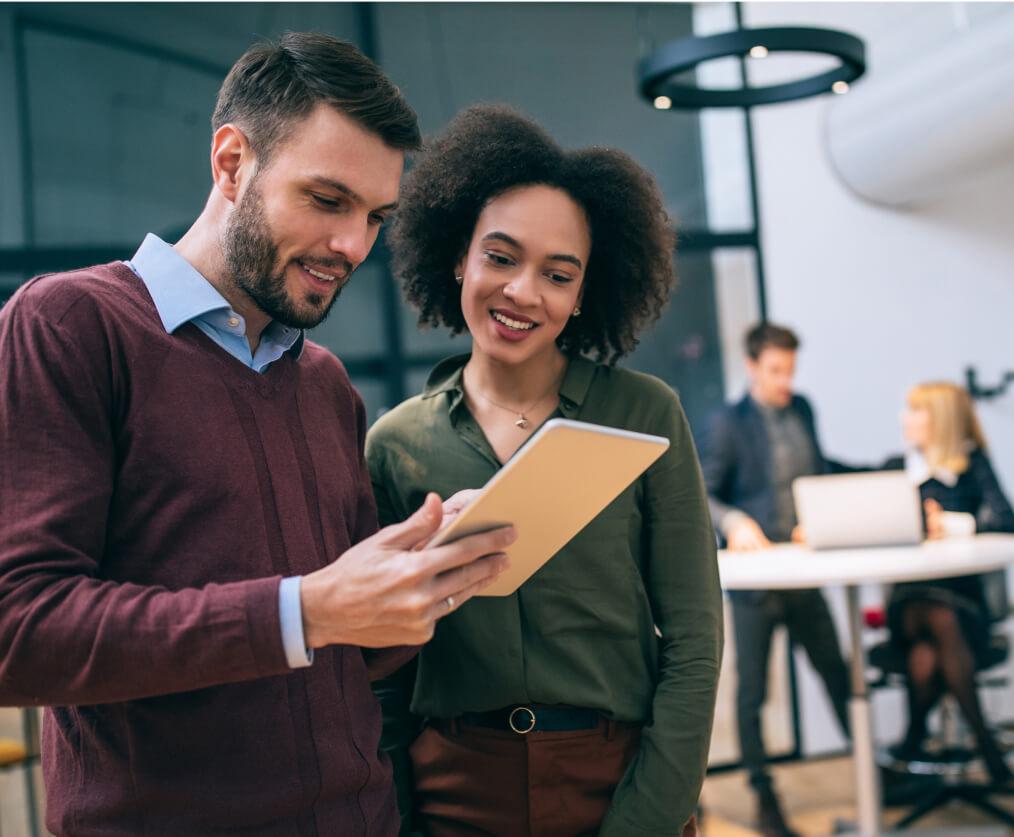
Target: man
[754,450]
[182,468]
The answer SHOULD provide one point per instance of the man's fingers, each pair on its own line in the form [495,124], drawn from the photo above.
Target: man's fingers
[456,587]
[455,582]
[464,551]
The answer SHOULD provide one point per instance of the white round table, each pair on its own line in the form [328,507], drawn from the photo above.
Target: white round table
[788,566]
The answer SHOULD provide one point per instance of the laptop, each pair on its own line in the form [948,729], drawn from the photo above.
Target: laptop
[877,508]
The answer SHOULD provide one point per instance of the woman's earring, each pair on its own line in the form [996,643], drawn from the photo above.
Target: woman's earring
[577,311]
[459,278]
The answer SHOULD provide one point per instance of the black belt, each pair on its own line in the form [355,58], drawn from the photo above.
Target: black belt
[524,719]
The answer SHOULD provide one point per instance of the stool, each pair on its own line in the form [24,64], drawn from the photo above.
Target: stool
[11,753]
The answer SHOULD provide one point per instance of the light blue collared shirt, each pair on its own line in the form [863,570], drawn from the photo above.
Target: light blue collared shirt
[182,295]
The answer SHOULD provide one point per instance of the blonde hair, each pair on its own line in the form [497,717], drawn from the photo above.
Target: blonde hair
[954,428]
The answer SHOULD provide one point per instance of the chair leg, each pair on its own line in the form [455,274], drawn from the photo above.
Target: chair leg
[33,817]
[30,727]
[981,800]
[940,796]
[975,795]
[1000,790]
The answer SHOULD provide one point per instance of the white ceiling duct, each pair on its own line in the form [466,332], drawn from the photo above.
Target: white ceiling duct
[931,124]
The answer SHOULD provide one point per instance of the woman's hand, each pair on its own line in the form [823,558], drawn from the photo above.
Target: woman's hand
[798,535]
[934,519]
[456,502]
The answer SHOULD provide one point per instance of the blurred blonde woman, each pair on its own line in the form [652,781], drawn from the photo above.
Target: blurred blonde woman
[943,625]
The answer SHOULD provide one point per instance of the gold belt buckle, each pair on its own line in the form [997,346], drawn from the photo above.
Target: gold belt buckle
[531,715]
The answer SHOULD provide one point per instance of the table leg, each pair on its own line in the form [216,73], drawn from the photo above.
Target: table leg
[863,759]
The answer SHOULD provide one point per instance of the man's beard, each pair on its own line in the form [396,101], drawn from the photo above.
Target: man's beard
[251,257]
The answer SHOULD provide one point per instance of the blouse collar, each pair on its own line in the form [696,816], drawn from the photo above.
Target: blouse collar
[919,470]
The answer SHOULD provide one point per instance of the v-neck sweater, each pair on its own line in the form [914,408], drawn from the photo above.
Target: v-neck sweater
[154,492]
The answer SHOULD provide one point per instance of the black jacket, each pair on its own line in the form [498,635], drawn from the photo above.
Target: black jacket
[736,460]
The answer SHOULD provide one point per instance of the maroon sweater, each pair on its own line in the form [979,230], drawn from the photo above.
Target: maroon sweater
[154,490]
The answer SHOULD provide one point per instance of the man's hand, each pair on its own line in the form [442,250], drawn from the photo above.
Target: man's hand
[746,536]
[389,590]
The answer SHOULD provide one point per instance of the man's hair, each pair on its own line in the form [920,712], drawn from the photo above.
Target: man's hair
[766,335]
[272,87]
[487,151]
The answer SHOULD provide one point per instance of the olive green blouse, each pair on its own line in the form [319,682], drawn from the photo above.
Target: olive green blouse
[582,630]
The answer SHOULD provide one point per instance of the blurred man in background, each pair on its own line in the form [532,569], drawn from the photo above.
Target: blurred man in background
[753,451]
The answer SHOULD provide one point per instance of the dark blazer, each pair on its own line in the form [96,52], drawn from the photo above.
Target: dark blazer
[736,460]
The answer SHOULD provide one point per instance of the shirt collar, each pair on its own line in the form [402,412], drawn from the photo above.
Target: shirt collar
[182,294]
[179,292]
[446,377]
[767,410]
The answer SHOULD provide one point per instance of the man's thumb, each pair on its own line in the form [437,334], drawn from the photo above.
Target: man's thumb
[415,532]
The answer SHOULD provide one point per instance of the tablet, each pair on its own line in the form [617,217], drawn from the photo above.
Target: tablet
[551,489]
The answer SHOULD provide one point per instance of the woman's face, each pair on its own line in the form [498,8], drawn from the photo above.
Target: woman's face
[523,272]
[915,424]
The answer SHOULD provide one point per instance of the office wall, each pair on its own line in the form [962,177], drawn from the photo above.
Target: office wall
[882,298]
[116,109]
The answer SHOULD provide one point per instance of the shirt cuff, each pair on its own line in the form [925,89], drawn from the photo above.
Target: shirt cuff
[290,612]
[730,520]
[958,524]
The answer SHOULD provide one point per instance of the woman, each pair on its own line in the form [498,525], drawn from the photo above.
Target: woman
[546,257]
[942,625]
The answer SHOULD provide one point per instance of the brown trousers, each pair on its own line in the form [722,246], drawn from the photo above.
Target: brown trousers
[477,782]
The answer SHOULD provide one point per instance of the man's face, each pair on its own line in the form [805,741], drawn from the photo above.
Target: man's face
[771,376]
[308,219]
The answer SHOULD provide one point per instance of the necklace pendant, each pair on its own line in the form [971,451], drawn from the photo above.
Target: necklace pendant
[522,422]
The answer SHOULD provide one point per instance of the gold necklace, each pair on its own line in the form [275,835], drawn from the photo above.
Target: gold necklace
[521,422]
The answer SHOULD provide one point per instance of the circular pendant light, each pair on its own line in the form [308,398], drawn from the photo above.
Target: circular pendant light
[657,70]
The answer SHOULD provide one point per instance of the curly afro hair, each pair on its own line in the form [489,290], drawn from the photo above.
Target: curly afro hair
[488,150]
